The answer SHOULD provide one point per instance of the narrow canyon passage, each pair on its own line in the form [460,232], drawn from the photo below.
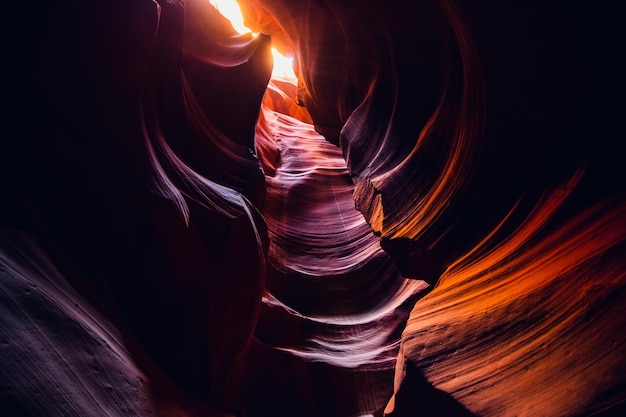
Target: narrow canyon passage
[427,217]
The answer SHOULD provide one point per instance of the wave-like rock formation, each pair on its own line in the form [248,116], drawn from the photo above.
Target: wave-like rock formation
[430,220]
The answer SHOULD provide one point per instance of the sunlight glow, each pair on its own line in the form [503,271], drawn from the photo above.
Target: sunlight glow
[283,65]
[230,10]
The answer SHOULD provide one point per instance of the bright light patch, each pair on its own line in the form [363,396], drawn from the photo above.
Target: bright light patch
[230,10]
[283,65]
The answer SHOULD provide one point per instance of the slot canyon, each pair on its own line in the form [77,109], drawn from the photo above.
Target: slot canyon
[426,218]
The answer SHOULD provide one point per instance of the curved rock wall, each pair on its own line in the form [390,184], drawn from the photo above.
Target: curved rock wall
[429,221]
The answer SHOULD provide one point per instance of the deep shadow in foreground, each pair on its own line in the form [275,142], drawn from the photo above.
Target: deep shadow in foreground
[418,397]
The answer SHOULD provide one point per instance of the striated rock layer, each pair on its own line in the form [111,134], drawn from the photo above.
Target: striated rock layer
[480,139]
[429,220]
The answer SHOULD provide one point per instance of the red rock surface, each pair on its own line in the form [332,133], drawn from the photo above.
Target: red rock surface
[429,221]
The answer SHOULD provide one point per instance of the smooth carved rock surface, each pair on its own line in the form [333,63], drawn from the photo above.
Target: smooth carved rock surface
[333,295]
[59,356]
[429,221]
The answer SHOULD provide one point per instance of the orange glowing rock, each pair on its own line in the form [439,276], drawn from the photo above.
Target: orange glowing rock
[425,218]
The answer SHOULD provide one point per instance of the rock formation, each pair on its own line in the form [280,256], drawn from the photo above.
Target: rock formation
[429,220]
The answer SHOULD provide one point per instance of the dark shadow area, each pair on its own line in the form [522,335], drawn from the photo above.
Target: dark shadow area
[417,397]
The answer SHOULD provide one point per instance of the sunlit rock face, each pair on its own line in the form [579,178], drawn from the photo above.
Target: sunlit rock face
[428,221]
